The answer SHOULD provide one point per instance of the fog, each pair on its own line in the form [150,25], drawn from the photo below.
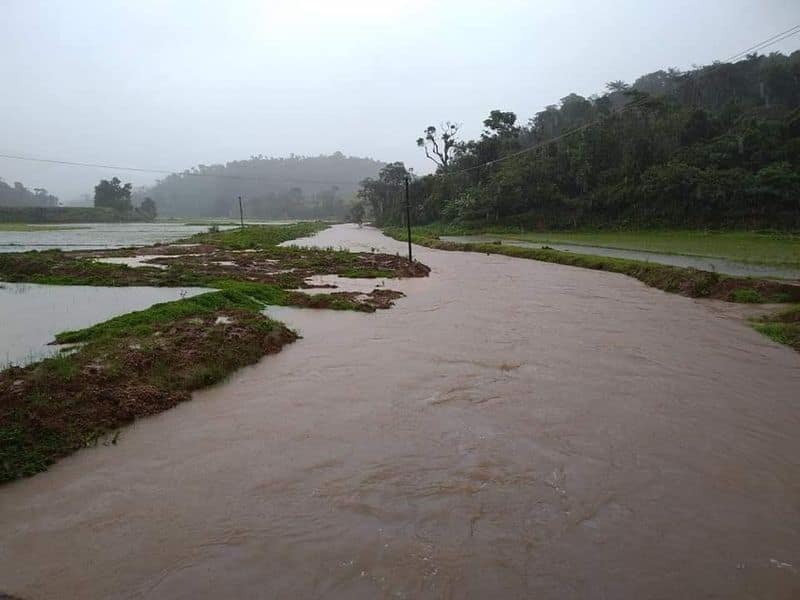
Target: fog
[168,85]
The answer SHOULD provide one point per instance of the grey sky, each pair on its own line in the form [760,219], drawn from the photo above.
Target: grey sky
[170,84]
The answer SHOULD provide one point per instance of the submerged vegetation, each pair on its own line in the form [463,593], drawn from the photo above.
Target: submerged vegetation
[146,361]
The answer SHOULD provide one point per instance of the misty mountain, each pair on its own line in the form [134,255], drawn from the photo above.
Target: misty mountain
[278,188]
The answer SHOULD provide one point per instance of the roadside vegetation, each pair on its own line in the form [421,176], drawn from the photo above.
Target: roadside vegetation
[783,327]
[144,362]
[756,247]
[685,281]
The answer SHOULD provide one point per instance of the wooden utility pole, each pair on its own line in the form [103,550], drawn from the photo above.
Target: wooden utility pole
[241,212]
[408,219]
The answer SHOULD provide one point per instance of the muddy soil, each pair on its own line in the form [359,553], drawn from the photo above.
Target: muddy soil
[511,429]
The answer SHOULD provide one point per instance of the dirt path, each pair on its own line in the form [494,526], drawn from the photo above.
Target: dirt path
[511,429]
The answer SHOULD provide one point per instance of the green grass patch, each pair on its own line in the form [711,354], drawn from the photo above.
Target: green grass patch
[34,228]
[782,327]
[746,296]
[357,273]
[757,247]
[688,282]
[258,236]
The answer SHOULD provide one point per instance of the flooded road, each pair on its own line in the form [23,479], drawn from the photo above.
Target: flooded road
[31,315]
[719,265]
[510,429]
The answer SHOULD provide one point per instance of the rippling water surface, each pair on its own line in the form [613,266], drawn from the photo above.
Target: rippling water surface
[511,429]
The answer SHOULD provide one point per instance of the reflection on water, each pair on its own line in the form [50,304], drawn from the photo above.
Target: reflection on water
[510,429]
[31,315]
[719,265]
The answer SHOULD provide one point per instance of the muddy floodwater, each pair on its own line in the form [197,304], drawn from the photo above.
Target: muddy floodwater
[510,429]
[31,315]
[719,265]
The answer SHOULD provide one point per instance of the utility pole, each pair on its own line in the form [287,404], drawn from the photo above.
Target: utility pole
[408,219]
[241,212]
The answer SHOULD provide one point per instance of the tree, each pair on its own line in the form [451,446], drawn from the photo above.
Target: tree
[617,86]
[440,147]
[148,209]
[112,194]
[357,212]
[500,124]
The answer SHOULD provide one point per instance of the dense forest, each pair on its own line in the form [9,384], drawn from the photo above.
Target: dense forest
[19,195]
[718,146]
[296,187]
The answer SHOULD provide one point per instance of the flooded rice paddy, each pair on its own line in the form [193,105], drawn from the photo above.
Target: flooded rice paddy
[510,429]
[31,315]
[719,265]
[90,236]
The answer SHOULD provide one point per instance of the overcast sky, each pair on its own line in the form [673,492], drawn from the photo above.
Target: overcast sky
[171,84]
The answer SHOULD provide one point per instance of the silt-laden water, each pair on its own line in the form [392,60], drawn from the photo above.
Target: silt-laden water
[511,429]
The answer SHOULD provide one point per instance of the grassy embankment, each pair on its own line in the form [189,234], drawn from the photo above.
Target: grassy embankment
[783,327]
[147,361]
[63,214]
[755,247]
[25,227]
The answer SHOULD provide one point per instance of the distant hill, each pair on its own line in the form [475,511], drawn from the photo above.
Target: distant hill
[278,188]
[19,195]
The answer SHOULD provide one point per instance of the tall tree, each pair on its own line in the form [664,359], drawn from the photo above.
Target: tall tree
[113,194]
[440,145]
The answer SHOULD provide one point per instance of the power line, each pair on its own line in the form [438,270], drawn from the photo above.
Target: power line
[168,172]
[759,46]
[769,41]
[763,44]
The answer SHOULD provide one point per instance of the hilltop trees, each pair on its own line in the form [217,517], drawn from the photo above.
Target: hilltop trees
[718,146]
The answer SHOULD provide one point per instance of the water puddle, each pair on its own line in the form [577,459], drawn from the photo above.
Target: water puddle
[719,265]
[31,315]
[322,283]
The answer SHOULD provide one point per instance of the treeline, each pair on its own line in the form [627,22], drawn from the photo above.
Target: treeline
[19,195]
[295,187]
[62,214]
[717,147]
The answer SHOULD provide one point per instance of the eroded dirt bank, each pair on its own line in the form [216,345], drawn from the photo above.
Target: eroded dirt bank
[511,429]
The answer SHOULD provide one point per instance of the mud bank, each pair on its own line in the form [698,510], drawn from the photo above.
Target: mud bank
[510,429]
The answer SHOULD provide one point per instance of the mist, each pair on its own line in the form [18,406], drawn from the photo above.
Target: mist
[169,85]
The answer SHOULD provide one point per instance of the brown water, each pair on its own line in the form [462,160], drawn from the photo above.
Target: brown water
[511,429]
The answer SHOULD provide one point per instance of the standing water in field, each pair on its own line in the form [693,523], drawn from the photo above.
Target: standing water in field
[510,429]
[31,315]
[91,236]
